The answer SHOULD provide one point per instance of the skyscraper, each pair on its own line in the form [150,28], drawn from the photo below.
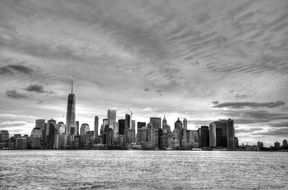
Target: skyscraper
[84,129]
[185,124]
[127,126]
[121,124]
[164,122]
[230,128]
[212,135]
[204,136]
[96,123]
[155,122]
[70,117]
[111,116]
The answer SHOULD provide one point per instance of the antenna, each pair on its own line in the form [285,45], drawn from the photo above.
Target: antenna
[72,88]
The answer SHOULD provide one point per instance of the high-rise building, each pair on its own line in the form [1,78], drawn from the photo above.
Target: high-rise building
[96,124]
[133,124]
[84,129]
[155,122]
[121,124]
[70,116]
[230,128]
[224,132]
[127,126]
[77,127]
[178,127]
[285,145]
[4,136]
[204,136]
[116,131]
[219,137]
[140,125]
[185,124]
[164,122]
[39,123]
[277,145]
[50,133]
[178,124]
[260,144]
[111,116]
[212,135]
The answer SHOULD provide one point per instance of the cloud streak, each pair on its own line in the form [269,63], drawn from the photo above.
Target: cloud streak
[240,105]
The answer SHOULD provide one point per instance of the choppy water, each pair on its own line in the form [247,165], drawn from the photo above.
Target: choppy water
[143,170]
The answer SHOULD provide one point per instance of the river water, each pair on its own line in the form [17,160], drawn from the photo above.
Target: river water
[95,169]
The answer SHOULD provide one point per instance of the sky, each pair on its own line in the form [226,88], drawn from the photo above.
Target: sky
[202,60]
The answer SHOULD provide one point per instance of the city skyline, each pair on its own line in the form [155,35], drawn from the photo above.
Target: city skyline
[198,60]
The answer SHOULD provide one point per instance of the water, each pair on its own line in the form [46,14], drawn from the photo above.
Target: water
[91,169]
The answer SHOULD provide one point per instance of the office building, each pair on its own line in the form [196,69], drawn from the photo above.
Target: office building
[155,122]
[277,145]
[84,129]
[96,124]
[4,136]
[203,133]
[127,126]
[40,123]
[111,116]
[21,143]
[121,125]
[70,115]
[133,124]
[140,125]
[77,127]
[212,135]
[232,143]
[260,144]
[285,143]
[178,126]
[185,124]
[230,128]
[164,122]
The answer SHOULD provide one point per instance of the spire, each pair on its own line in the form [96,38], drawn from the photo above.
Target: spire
[72,87]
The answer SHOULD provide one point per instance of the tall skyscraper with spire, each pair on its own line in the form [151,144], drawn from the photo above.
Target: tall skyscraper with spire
[70,116]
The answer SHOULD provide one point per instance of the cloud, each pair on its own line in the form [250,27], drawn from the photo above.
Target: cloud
[12,124]
[282,124]
[240,105]
[275,132]
[254,116]
[35,88]
[12,69]
[14,94]
[248,130]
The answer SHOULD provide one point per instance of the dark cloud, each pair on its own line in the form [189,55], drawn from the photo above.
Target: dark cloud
[35,88]
[253,116]
[14,94]
[277,132]
[282,124]
[215,102]
[240,105]
[11,69]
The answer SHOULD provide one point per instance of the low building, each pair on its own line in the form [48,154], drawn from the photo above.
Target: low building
[21,143]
